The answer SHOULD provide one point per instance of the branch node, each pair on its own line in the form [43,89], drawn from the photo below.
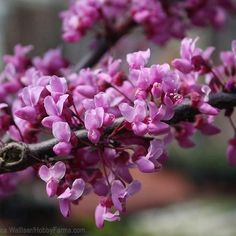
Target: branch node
[13,154]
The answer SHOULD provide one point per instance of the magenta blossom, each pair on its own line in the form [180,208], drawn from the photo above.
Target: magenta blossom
[93,122]
[57,87]
[135,115]
[51,63]
[139,59]
[69,195]
[52,176]
[30,96]
[102,213]
[79,18]
[119,192]
[192,58]
[19,60]
[54,110]
[150,162]
[61,131]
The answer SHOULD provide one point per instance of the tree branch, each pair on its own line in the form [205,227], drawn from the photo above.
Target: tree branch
[18,156]
[104,44]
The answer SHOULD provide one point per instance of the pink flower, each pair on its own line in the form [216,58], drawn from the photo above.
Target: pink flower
[207,109]
[51,63]
[79,18]
[93,121]
[200,101]
[69,195]
[54,110]
[119,192]
[183,65]
[19,60]
[192,58]
[155,126]
[57,87]
[135,115]
[102,213]
[52,176]
[61,131]
[102,100]
[139,59]
[149,162]
[30,96]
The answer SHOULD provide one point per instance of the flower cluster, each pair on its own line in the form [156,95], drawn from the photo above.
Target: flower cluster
[161,20]
[103,122]
[138,105]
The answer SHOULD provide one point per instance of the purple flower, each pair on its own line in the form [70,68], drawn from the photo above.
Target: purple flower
[69,195]
[183,65]
[192,58]
[227,58]
[54,110]
[155,126]
[9,82]
[135,115]
[207,109]
[119,192]
[52,176]
[102,213]
[143,81]
[200,101]
[170,82]
[139,59]
[51,63]
[86,90]
[21,130]
[102,100]
[79,18]
[30,96]
[57,87]
[149,162]
[19,59]
[157,72]
[93,121]
[61,131]
[27,113]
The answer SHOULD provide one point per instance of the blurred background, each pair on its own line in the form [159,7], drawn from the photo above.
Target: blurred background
[193,195]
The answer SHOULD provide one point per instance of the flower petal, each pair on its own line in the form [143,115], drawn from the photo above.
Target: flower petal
[77,189]
[58,170]
[44,173]
[145,165]
[51,187]
[61,131]
[64,207]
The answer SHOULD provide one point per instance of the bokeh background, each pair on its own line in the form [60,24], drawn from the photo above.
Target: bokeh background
[194,195]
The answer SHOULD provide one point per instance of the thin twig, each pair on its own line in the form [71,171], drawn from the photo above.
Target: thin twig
[104,44]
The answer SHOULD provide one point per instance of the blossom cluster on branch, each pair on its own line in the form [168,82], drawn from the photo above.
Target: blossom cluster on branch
[160,19]
[45,97]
